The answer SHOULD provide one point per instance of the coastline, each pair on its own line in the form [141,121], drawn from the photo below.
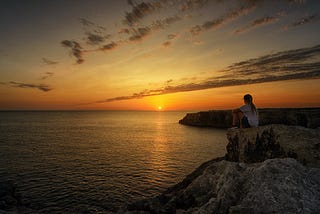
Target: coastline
[306,117]
[270,169]
[271,153]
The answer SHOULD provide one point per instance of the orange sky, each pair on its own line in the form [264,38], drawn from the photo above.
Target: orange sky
[180,55]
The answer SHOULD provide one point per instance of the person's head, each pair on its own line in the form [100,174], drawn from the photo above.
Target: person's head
[247,99]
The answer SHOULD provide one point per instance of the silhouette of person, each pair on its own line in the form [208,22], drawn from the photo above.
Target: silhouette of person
[247,115]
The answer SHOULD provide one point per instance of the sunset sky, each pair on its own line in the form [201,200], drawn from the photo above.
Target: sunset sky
[174,54]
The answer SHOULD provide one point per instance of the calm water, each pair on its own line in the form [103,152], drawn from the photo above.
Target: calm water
[97,160]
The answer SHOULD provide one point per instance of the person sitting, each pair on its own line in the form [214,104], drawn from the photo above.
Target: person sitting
[247,115]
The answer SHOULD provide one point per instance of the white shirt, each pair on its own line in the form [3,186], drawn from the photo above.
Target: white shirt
[253,117]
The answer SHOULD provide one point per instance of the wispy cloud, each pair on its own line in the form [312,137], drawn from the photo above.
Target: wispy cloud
[138,12]
[134,27]
[47,75]
[302,21]
[41,87]
[76,49]
[49,62]
[193,4]
[139,33]
[257,23]
[110,46]
[287,65]
[170,38]
[166,44]
[215,23]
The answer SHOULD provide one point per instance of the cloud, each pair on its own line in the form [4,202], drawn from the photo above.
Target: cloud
[287,65]
[96,39]
[140,33]
[109,46]
[124,31]
[193,4]
[257,23]
[41,87]
[47,75]
[215,23]
[172,36]
[86,22]
[163,23]
[302,21]
[138,12]
[135,29]
[166,44]
[76,49]
[49,62]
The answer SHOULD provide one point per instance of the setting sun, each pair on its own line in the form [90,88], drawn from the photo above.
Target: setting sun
[159,108]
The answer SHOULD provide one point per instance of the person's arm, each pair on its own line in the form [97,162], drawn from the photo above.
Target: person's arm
[236,110]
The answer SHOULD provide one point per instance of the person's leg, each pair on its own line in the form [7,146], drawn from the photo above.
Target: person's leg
[237,119]
[245,122]
[240,116]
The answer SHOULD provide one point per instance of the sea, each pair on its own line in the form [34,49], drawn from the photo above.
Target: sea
[97,161]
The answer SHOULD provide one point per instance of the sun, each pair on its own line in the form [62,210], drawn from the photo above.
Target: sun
[159,108]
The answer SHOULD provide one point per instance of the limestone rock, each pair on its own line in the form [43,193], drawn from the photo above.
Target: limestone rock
[273,186]
[306,117]
[274,141]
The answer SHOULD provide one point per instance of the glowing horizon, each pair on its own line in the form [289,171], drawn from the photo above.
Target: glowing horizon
[143,55]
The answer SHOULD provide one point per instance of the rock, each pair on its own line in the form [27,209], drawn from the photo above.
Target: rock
[306,117]
[274,141]
[214,118]
[273,186]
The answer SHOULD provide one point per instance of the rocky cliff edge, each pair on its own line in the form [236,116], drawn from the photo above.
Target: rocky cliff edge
[306,117]
[269,169]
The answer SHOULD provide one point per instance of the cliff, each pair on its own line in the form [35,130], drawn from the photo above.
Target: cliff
[306,117]
[269,169]
[274,141]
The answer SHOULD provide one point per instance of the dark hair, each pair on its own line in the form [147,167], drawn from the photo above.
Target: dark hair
[248,99]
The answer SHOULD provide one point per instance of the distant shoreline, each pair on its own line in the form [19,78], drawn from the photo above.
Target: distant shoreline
[88,110]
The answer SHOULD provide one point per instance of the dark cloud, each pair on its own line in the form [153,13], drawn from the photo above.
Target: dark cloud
[109,46]
[166,44]
[172,36]
[47,75]
[287,65]
[76,49]
[95,34]
[41,87]
[215,23]
[163,23]
[124,30]
[86,22]
[139,33]
[95,39]
[138,12]
[49,62]
[302,21]
[256,23]
[193,4]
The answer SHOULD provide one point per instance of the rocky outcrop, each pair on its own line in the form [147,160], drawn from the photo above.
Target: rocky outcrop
[306,117]
[273,186]
[274,141]
[269,169]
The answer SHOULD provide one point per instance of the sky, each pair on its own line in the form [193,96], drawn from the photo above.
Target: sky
[173,54]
